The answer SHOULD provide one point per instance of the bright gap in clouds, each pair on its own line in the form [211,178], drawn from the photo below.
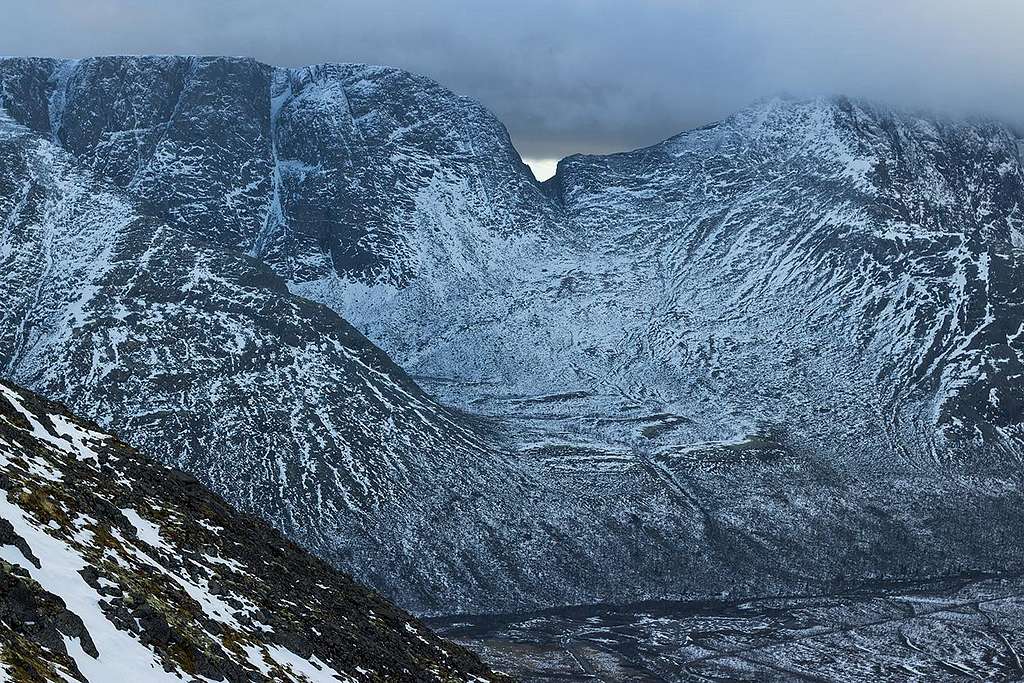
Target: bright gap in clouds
[542,168]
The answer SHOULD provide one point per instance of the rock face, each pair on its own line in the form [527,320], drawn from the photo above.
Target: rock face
[761,356]
[113,568]
[206,361]
[317,170]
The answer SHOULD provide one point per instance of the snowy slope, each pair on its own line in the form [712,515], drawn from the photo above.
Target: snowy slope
[846,260]
[316,169]
[116,569]
[205,361]
[406,208]
[756,357]
[798,262]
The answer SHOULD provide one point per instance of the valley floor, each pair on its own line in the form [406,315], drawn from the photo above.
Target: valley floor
[950,630]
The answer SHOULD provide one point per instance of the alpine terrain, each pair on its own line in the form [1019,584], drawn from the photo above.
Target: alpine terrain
[114,568]
[778,354]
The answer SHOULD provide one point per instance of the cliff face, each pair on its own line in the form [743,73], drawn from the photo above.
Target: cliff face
[754,357]
[204,360]
[114,567]
[316,170]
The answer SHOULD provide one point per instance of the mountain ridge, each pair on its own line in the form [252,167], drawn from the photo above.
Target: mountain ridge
[742,360]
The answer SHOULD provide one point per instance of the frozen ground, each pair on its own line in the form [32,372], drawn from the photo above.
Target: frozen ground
[955,630]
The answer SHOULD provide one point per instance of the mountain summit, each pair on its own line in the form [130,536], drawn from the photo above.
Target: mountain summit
[775,354]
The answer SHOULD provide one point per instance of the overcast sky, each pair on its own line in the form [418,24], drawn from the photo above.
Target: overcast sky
[586,75]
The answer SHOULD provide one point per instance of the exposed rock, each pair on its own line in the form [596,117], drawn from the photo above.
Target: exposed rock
[749,359]
[129,596]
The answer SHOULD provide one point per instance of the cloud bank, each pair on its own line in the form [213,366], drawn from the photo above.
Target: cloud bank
[586,75]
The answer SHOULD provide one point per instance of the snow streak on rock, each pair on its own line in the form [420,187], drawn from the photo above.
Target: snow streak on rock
[112,568]
[205,360]
[751,358]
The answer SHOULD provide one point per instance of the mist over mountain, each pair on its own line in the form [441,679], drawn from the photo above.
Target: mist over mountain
[775,355]
[587,76]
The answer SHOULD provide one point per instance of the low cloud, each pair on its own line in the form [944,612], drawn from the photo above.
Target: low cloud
[588,75]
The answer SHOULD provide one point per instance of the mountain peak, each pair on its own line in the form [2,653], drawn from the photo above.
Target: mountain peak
[813,298]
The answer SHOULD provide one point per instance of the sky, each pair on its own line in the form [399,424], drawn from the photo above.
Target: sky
[588,76]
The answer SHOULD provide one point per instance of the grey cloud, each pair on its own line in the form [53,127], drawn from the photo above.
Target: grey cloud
[587,75]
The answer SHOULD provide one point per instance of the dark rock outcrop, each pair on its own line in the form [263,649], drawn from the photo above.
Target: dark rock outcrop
[118,568]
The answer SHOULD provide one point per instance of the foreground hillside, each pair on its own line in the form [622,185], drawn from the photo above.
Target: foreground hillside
[112,568]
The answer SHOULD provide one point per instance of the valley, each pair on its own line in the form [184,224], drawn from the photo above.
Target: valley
[962,629]
[775,355]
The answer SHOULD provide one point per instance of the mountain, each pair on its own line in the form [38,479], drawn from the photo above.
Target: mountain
[760,277]
[204,360]
[113,567]
[200,356]
[315,170]
[775,354]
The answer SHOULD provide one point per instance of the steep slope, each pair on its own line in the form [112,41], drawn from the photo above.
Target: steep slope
[185,135]
[406,208]
[804,260]
[370,161]
[204,359]
[347,179]
[835,275]
[323,170]
[803,322]
[766,355]
[113,568]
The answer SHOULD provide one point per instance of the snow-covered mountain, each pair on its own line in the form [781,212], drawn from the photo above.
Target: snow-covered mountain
[316,170]
[765,355]
[204,360]
[114,568]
